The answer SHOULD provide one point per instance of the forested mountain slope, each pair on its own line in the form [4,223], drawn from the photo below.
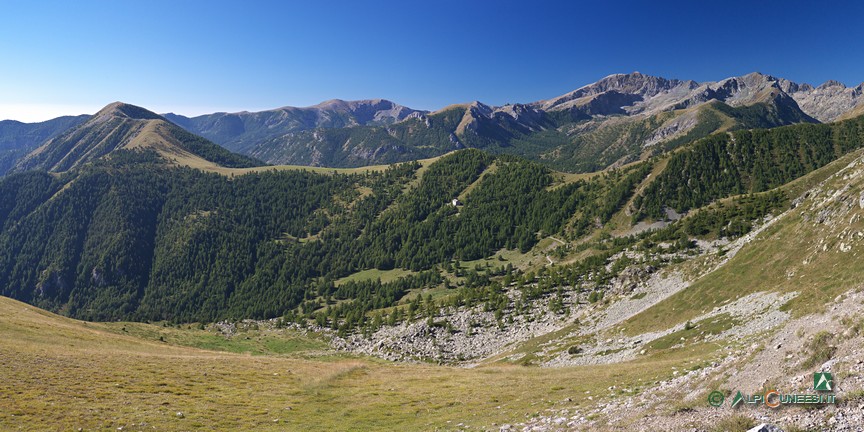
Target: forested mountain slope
[746,162]
[130,237]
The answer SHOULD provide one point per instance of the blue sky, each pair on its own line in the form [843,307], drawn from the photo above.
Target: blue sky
[194,57]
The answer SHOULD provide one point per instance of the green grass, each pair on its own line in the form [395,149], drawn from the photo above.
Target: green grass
[260,345]
[374,274]
[256,342]
[699,330]
[819,349]
[562,179]
[320,170]
[531,260]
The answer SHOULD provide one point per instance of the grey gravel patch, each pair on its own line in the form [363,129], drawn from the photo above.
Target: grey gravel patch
[465,336]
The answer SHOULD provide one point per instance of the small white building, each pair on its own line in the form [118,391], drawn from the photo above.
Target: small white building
[456,202]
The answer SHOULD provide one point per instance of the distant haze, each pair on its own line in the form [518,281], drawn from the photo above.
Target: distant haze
[32,113]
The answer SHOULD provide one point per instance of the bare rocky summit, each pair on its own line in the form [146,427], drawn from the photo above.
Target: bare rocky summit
[636,93]
[829,102]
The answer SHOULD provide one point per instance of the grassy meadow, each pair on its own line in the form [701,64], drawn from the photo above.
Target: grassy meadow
[61,374]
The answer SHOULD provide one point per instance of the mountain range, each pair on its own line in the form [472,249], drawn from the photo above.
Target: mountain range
[616,120]
[17,139]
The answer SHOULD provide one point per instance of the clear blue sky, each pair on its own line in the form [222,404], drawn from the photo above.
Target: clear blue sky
[194,57]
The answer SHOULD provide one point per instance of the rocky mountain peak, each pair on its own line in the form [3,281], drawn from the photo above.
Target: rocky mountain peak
[791,87]
[331,104]
[830,101]
[343,105]
[378,111]
[635,83]
[480,107]
[619,93]
[831,83]
[754,80]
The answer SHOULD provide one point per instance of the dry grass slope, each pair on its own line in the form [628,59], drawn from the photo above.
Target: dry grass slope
[61,374]
[320,170]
